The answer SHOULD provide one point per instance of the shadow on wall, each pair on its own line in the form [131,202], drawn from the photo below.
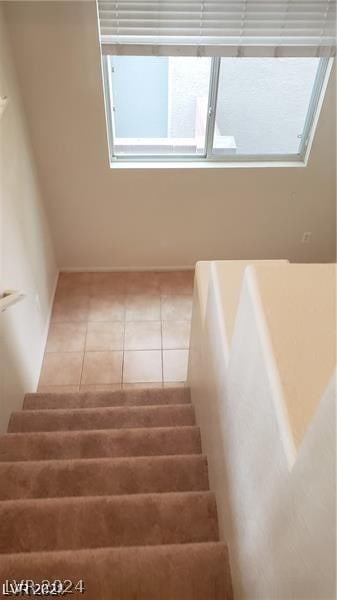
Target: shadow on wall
[13,375]
[27,262]
[202,381]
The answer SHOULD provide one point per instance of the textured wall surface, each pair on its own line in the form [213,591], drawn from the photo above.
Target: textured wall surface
[263,103]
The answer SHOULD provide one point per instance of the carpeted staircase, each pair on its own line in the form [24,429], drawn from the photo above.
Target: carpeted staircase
[112,489]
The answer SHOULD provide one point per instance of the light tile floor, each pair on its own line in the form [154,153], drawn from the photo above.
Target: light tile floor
[113,330]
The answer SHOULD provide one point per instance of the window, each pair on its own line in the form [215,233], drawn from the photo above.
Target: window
[158,105]
[267,105]
[214,81]
[220,109]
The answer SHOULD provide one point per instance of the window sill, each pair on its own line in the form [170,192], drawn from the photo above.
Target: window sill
[135,165]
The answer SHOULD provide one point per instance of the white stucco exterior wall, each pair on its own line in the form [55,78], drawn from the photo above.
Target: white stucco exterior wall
[262,103]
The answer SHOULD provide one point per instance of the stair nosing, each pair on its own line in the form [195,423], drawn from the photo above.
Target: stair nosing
[105,497]
[138,458]
[101,408]
[143,391]
[219,543]
[137,397]
[59,439]
[85,431]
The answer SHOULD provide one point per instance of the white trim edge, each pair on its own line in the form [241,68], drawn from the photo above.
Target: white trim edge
[215,285]
[126,269]
[47,324]
[272,370]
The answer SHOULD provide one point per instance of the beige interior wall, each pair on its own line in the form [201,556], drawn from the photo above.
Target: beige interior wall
[229,275]
[141,218]
[27,258]
[299,304]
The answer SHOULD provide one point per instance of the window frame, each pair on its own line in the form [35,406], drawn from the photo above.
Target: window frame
[208,159]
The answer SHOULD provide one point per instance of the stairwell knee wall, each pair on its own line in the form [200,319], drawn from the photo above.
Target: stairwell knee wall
[269,507]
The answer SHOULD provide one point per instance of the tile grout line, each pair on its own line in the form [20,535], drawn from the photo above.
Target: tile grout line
[66,319]
[86,332]
[162,341]
[124,328]
[84,347]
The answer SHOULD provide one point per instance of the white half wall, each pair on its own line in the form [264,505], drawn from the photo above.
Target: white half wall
[276,503]
[27,261]
[108,218]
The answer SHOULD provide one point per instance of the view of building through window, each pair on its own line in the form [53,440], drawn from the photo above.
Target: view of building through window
[161,105]
[263,103]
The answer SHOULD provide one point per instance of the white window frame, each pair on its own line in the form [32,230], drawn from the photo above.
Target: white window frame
[208,159]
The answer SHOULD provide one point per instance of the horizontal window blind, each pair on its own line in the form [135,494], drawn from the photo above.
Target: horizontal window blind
[218,27]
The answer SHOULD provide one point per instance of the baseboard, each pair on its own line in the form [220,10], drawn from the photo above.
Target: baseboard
[128,269]
[52,297]
[47,324]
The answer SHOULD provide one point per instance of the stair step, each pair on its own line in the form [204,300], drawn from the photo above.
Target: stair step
[103,476]
[110,443]
[95,522]
[101,418]
[172,572]
[141,397]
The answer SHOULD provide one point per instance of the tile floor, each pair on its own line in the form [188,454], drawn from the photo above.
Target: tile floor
[113,330]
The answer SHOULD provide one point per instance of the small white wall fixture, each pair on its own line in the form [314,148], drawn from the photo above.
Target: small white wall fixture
[3,104]
[8,298]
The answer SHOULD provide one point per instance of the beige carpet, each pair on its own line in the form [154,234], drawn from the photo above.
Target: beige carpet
[112,489]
